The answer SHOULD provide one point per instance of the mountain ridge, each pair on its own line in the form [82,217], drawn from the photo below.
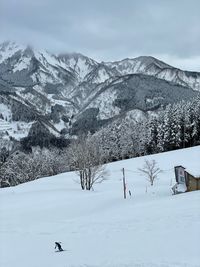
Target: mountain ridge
[62,87]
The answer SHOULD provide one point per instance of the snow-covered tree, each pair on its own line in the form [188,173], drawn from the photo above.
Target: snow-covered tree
[85,159]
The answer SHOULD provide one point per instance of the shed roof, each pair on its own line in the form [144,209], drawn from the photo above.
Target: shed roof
[179,166]
[195,173]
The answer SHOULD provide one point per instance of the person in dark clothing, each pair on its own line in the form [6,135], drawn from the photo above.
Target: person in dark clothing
[58,245]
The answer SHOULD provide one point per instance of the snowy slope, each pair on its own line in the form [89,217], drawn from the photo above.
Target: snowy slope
[100,228]
[79,63]
[16,129]
[8,49]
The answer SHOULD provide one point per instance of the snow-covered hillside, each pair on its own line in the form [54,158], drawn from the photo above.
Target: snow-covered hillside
[100,228]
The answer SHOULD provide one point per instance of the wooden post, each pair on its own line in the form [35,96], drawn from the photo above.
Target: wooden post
[184,134]
[124,183]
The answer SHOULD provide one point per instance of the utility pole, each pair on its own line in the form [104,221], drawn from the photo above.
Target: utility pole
[184,133]
[124,183]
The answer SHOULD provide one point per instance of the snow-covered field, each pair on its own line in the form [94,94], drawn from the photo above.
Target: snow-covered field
[100,228]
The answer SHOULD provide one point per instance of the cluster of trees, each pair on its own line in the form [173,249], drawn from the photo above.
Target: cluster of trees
[20,167]
[82,156]
[177,126]
[39,135]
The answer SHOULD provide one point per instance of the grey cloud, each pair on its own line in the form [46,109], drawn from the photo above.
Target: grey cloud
[106,30]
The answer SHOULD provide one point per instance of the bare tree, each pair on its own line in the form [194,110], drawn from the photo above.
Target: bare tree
[85,159]
[150,170]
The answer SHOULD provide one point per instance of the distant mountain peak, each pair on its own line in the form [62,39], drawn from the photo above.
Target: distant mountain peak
[150,60]
[79,63]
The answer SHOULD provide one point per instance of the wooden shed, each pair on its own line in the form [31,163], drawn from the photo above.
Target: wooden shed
[192,182]
[185,181]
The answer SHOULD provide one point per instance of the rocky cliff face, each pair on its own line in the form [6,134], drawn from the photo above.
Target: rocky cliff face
[69,93]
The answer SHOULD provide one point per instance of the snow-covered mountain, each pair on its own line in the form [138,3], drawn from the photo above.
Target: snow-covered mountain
[152,66]
[61,89]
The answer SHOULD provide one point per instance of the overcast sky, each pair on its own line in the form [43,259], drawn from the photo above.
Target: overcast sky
[107,29]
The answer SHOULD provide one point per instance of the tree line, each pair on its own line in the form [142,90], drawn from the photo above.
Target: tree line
[176,126]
